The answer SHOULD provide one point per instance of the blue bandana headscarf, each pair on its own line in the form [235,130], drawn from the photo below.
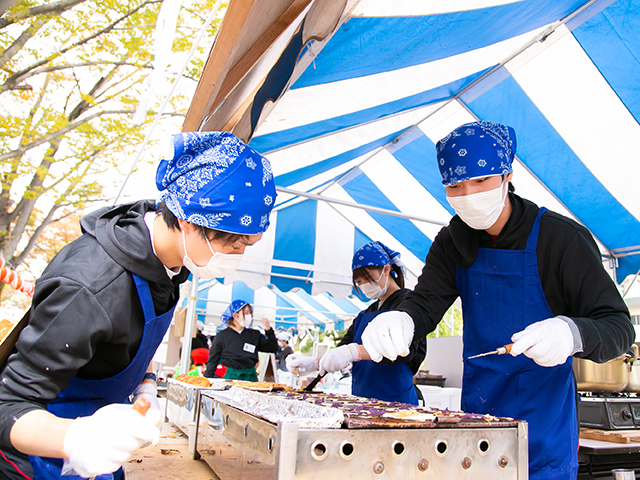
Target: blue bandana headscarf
[227,315]
[376,254]
[475,150]
[216,181]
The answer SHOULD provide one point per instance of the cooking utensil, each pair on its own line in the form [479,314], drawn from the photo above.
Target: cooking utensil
[611,376]
[498,351]
[296,379]
[314,382]
[142,406]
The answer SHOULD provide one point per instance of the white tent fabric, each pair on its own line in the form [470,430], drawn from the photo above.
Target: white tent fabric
[355,118]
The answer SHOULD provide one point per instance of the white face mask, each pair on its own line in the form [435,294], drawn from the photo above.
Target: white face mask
[219,265]
[480,210]
[373,290]
[248,318]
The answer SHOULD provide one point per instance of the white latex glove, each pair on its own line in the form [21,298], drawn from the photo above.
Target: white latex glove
[548,342]
[339,358]
[101,443]
[303,363]
[388,335]
[148,389]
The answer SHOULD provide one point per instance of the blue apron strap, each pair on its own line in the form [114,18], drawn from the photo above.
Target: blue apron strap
[532,241]
[146,301]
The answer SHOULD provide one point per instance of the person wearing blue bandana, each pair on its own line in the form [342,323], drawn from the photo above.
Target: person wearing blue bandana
[105,301]
[237,345]
[527,276]
[378,272]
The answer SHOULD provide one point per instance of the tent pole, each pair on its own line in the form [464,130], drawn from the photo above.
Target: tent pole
[635,277]
[369,208]
[174,85]
[188,326]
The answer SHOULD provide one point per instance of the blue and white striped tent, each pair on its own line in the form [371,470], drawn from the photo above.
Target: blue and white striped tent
[288,310]
[347,99]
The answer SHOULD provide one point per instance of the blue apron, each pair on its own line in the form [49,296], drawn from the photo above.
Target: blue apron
[83,397]
[501,294]
[388,382]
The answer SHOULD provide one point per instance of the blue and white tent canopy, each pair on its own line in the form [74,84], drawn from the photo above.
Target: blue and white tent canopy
[288,310]
[349,98]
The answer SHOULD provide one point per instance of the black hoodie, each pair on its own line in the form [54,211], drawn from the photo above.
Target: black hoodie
[86,318]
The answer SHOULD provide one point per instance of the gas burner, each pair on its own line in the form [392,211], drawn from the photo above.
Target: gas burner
[609,410]
[608,395]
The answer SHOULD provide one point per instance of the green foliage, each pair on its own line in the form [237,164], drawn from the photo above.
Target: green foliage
[333,337]
[444,330]
[70,81]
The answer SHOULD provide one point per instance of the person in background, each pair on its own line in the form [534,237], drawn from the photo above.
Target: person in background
[377,272]
[284,349]
[526,276]
[199,357]
[200,340]
[103,304]
[237,346]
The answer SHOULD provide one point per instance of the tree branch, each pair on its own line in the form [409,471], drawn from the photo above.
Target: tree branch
[52,8]
[18,259]
[56,68]
[19,42]
[7,181]
[58,133]
[16,77]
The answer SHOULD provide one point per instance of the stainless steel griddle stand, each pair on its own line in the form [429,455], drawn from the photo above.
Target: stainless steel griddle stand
[239,446]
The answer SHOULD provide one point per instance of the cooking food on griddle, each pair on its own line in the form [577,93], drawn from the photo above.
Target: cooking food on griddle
[358,409]
[192,380]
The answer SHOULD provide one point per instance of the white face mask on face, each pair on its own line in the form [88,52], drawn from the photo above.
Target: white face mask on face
[480,210]
[248,318]
[219,265]
[373,290]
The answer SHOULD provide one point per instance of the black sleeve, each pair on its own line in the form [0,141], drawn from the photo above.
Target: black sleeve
[269,343]
[214,356]
[348,337]
[587,294]
[435,291]
[62,335]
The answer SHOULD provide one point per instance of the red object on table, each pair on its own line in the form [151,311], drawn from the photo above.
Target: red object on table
[221,370]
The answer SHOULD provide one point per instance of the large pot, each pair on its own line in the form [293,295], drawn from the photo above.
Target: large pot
[611,376]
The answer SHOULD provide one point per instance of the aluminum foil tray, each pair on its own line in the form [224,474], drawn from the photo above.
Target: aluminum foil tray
[278,409]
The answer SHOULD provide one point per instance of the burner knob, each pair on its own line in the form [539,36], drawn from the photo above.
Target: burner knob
[626,414]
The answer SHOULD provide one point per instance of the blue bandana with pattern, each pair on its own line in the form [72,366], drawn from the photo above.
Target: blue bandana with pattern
[227,315]
[216,181]
[476,150]
[376,254]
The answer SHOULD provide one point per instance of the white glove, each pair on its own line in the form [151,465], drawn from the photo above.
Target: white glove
[388,335]
[303,363]
[339,358]
[101,443]
[148,389]
[548,342]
